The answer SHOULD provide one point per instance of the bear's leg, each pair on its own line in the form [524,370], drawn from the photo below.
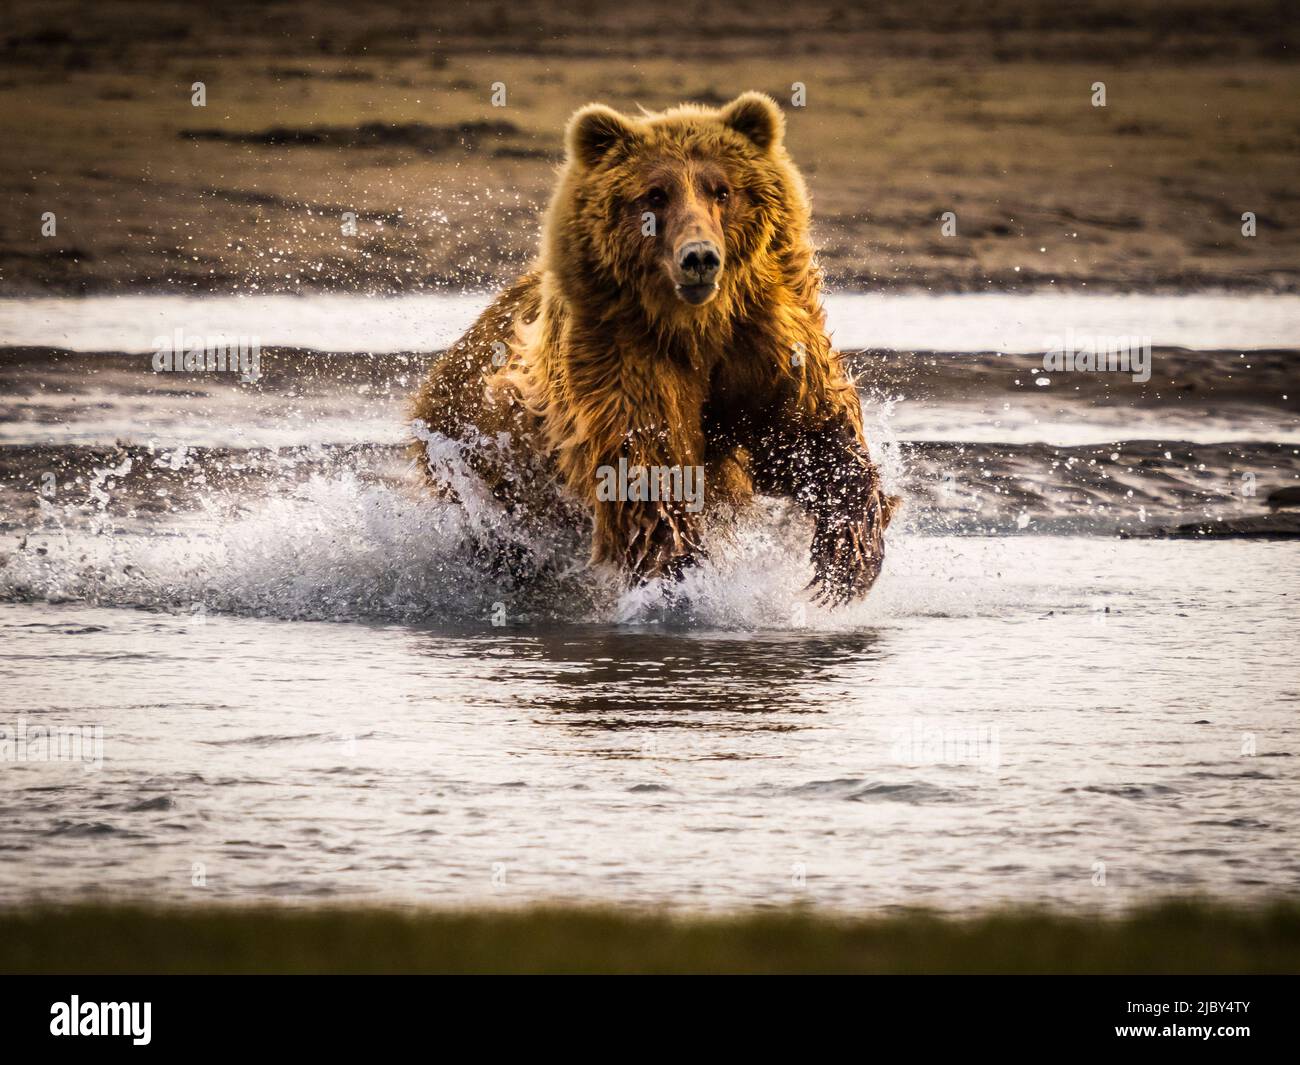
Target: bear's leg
[634,449]
[730,486]
[646,540]
[828,472]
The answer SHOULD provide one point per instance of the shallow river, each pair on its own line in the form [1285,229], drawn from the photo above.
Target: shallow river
[279,675]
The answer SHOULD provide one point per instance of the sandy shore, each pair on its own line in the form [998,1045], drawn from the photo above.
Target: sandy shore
[312,112]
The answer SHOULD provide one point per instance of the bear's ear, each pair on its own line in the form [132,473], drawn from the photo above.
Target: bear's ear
[594,131]
[756,116]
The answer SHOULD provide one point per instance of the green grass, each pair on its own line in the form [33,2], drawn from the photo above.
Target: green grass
[1172,937]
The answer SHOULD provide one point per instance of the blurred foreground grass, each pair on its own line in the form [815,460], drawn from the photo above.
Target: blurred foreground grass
[1172,937]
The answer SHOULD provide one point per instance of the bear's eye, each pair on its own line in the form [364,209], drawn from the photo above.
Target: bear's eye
[656,197]
[722,194]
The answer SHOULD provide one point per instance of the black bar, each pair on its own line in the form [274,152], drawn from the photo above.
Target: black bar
[871,1016]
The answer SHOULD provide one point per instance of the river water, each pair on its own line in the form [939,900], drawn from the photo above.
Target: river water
[279,674]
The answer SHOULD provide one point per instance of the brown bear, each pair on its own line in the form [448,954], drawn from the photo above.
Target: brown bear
[672,323]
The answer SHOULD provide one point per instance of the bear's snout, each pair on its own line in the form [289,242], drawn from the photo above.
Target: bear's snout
[698,264]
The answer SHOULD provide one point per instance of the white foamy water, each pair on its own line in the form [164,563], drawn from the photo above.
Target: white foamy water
[430,322]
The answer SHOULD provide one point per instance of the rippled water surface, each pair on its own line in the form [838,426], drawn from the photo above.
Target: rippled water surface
[306,688]
[1004,716]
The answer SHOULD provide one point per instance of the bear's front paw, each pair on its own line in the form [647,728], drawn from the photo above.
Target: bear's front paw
[847,556]
[659,543]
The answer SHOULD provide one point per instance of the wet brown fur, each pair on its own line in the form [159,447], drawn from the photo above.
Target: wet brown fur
[592,356]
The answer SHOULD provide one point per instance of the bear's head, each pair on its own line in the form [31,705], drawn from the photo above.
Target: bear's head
[689,212]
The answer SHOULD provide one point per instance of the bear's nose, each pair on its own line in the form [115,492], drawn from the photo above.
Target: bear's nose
[699,261]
